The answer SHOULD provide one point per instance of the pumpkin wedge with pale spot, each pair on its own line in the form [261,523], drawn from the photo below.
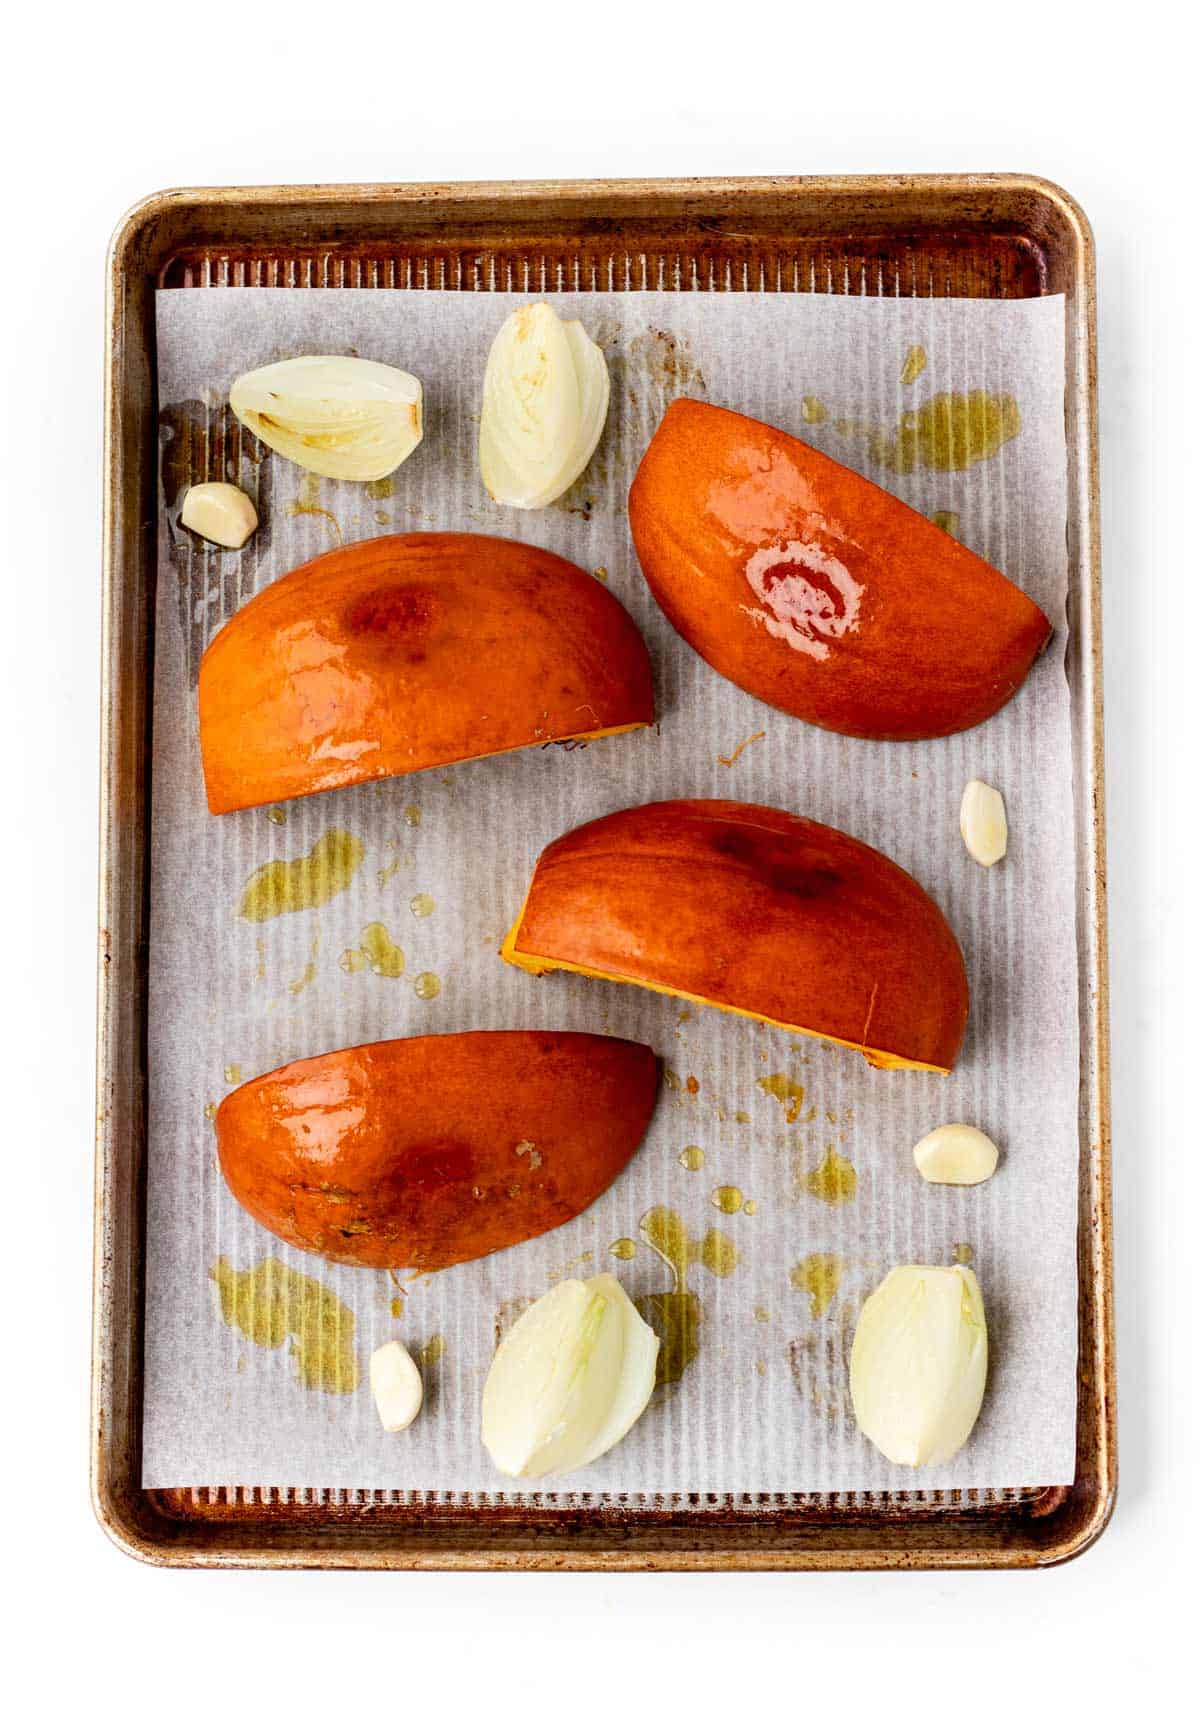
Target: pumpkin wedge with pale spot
[818,592]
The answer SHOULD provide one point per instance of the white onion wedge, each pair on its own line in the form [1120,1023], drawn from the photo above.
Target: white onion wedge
[340,417]
[545,400]
[569,1380]
[918,1365]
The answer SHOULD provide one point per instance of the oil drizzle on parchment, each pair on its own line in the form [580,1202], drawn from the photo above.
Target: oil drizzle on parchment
[307,503]
[675,1314]
[431,1353]
[311,880]
[818,1276]
[946,520]
[789,1093]
[422,905]
[624,1248]
[964,1254]
[914,364]
[427,986]
[270,1303]
[812,410]
[692,1158]
[376,951]
[305,979]
[728,1199]
[835,1179]
[947,433]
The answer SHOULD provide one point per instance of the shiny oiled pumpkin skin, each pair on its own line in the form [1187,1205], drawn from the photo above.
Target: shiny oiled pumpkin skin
[405,652]
[428,1151]
[817,591]
[757,911]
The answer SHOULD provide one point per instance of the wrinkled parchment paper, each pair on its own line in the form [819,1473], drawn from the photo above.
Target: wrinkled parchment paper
[763,1407]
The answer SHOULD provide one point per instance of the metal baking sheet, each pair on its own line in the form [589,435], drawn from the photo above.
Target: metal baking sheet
[978,237]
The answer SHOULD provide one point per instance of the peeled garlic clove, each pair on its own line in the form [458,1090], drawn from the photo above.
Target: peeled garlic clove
[918,1365]
[545,399]
[983,823]
[569,1380]
[396,1386]
[340,417]
[956,1153]
[219,512]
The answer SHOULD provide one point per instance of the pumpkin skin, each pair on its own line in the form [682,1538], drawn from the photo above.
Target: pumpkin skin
[428,1151]
[758,912]
[404,652]
[818,592]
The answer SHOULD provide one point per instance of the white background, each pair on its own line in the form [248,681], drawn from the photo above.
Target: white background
[100,109]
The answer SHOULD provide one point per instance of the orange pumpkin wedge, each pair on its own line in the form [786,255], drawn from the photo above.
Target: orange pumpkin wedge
[405,652]
[425,1152]
[818,592]
[757,912]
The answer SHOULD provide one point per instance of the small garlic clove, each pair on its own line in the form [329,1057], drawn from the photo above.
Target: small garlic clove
[983,823]
[545,400]
[918,1365]
[219,512]
[956,1153]
[339,417]
[396,1386]
[569,1380]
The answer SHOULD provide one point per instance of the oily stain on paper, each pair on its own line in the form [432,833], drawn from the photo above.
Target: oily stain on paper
[947,433]
[835,1180]
[308,503]
[376,951]
[914,364]
[665,360]
[728,1199]
[818,1277]
[271,1303]
[675,1314]
[789,1093]
[311,880]
[950,432]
